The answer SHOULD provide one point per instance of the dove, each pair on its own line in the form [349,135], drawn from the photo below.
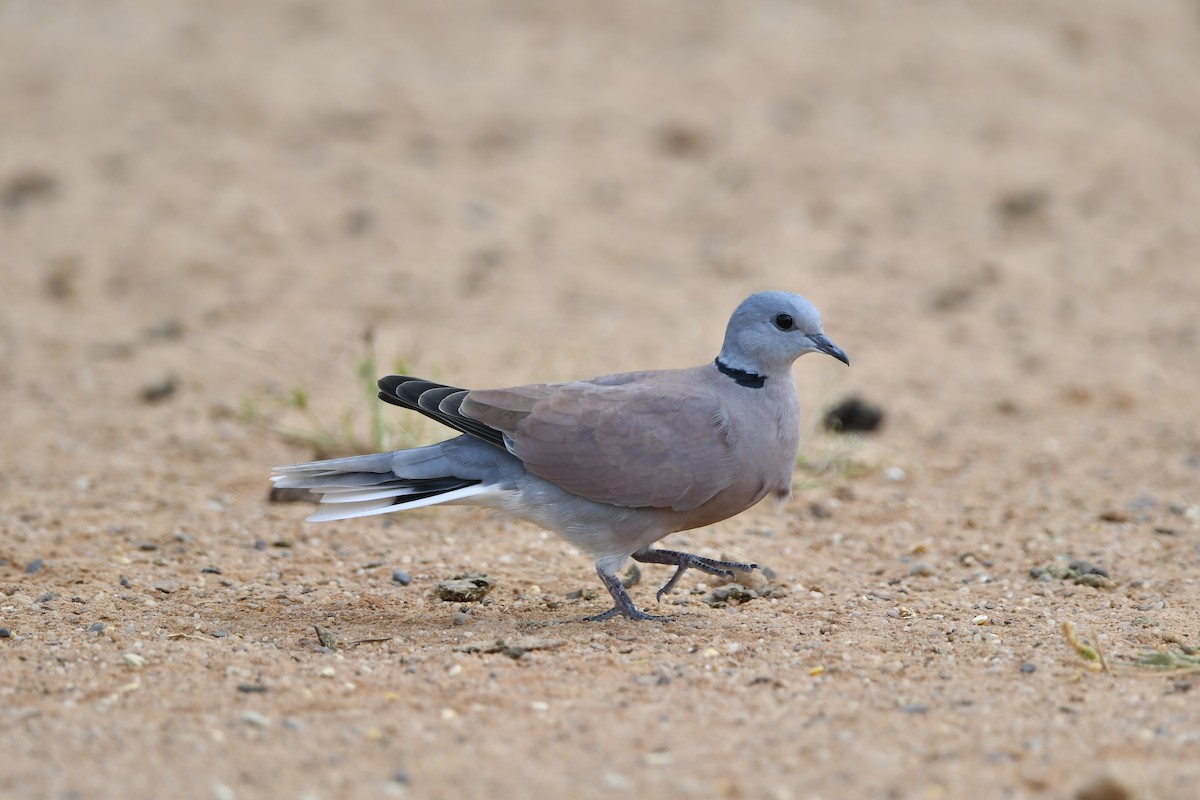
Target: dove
[611,464]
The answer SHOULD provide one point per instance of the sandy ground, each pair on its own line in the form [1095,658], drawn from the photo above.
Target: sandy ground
[204,206]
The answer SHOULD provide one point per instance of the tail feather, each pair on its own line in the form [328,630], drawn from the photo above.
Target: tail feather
[384,505]
[393,489]
[360,486]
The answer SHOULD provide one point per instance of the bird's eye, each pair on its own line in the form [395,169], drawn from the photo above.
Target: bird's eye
[784,322]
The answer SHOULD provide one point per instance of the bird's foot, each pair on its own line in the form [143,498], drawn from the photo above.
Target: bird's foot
[682,561]
[622,604]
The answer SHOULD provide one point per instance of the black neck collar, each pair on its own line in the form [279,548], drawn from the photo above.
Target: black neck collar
[750,380]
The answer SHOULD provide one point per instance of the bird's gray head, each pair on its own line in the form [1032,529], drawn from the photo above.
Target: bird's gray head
[770,330]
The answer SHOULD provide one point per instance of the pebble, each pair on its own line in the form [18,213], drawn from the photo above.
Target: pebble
[1088,568]
[469,588]
[125,582]
[5,633]
[1028,667]
[256,719]
[96,627]
[922,568]
[894,474]
[401,577]
[159,389]
[168,585]
[1094,580]
[853,415]
[33,566]
[134,660]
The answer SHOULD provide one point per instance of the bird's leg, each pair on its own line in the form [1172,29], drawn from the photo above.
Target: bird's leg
[712,566]
[624,606]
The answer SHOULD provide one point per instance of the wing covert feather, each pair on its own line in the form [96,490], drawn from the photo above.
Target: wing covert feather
[643,443]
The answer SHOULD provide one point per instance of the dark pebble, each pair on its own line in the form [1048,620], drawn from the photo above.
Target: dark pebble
[164,331]
[1029,666]
[1088,568]
[401,577]
[916,708]
[159,389]
[211,571]
[278,495]
[251,688]
[5,633]
[125,582]
[221,634]
[95,627]
[33,566]
[46,597]
[853,415]
[401,777]
[260,544]
[27,187]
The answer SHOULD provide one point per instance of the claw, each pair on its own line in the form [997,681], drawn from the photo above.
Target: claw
[682,561]
[623,605]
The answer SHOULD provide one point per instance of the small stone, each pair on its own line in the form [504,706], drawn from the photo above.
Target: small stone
[1105,787]
[1028,667]
[921,568]
[159,389]
[281,495]
[96,627]
[167,585]
[27,187]
[1087,568]
[220,634]
[981,619]
[33,566]
[401,577]
[164,330]
[133,660]
[325,637]
[632,576]
[125,582]
[729,594]
[853,415]
[210,571]
[5,633]
[915,708]
[468,588]
[894,474]
[256,719]
[251,688]
[1095,581]
[1112,515]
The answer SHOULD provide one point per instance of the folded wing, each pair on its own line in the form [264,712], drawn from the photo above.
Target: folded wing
[649,442]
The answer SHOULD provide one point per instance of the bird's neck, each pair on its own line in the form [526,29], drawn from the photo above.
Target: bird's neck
[742,377]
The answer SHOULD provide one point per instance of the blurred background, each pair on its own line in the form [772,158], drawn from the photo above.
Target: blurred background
[219,219]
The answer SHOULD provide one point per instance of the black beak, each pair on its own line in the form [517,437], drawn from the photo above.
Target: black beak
[829,348]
